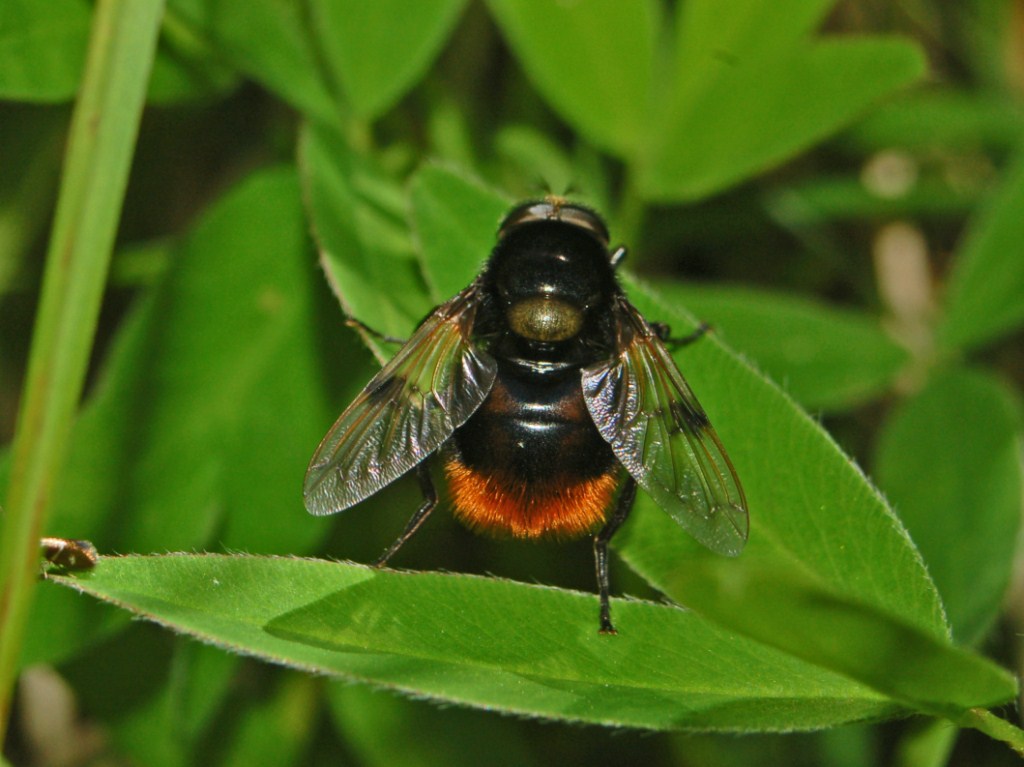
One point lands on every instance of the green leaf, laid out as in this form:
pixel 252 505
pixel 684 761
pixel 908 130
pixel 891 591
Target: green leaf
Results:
pixel 810 506
pixel 709 33
pixel 269 40
pixel 158 693
pixel 851 745
pixel 926 743
pixel 42 48
pixel 537 158
pixel 186 69
pixel 378 50
pixel 985 296
pixel 823 201
pixel 333 56
pixel 455 221
pixel 32 141
pixel 538 165
pixel 823 546
pixel 747 85
pixel 60 626
pixel 42 53
pixel 949 462
pixel 934 117
pixel 275 729
pixel 214 379
pixel 825 358
pixel 797 615
pixel 593 61
pixel 365 248
pixel 484 642
pixel 384 730
pixel 126 679
pixel 734 112
pixel 191 401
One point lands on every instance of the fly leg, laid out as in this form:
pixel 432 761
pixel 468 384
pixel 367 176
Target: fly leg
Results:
pixel 623 506
pixel 352 322
pixel 665 334
pixel 428 505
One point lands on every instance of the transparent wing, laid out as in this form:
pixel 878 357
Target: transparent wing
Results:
pixel 430 388
pixel 647 412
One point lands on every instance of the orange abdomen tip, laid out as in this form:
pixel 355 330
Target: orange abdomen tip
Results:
pixel 496 503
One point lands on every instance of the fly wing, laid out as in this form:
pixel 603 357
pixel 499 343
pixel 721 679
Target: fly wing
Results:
pixel 430 388
pixel 643 407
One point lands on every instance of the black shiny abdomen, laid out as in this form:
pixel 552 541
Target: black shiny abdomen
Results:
pixel 534 426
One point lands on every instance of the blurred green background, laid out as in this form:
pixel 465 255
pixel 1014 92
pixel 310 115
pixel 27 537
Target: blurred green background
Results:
pixel 837 187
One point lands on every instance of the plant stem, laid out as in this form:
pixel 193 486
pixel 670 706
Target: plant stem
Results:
pixel 104 127
pixel 630 213
pixel 999 729
pixel 926 743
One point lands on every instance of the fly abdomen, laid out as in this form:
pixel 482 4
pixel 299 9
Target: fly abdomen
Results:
pixel 530 462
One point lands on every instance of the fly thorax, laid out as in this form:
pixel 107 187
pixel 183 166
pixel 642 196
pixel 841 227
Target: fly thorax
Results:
pixel 545 319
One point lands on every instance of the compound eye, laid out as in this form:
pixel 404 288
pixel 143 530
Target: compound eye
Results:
pixel 545 319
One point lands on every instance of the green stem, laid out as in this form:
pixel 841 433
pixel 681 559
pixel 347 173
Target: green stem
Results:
pixel 999 729
pixel 926 743
pixel 630 214
pixel 104 127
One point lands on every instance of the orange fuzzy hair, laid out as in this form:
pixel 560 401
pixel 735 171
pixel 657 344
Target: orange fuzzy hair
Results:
pixel 495 504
